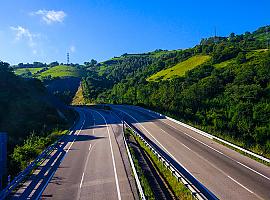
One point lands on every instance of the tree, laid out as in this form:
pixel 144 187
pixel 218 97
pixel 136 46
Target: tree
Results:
pixel 241 58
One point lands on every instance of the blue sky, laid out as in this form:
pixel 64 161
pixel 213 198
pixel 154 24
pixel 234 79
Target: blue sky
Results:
pixel 44 30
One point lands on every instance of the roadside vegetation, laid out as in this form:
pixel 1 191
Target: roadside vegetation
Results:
pixel 33 146
pixel 178 189
pixel 30 116
pixel 143 180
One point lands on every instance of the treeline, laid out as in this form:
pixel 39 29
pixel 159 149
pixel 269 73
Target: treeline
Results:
pixel 26 109
pixel 232 102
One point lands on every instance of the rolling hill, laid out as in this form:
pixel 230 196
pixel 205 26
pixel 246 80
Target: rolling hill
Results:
pixel 221 85
pixel 61 71
pixel 20 71
pixel 179 69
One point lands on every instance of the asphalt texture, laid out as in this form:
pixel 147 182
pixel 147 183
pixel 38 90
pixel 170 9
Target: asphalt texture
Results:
pixel 87 164
pixel 225 172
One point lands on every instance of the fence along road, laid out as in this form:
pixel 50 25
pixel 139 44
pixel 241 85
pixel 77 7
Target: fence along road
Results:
pixel 226 173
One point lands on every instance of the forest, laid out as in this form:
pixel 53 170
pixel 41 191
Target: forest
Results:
pixel 228 96
pixel 30 116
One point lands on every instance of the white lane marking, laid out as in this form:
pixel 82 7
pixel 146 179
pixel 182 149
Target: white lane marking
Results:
pixel 220 152
pixel 177 140
pixel 174 157
pixel 76 134
pixel 85 165
pixel 82 180
pixel 114 168
pixel 241 185
pixel 158 142
pixel 251 169
pixel 46 184
pixel 186 147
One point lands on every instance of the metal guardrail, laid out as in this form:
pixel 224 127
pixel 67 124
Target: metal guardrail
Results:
pixel 23 174
pixel 197 189
pixel 138 183
pixel 208 135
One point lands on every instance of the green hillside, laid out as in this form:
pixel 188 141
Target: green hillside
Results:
pixel 20 71
pixel 226 92
pixel 62 71
pixel 179 69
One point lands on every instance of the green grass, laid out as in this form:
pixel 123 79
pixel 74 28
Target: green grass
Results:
pixel 180 69
pixel 21 71
pixel 61 71
pixel 179 190
pixel 160 53
pixel 224 64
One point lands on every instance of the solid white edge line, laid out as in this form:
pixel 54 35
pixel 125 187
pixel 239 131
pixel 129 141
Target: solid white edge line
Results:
pixel 82 180
pixel 240 184
pixel 114 168
pixel 159 143
pixel 220 152
pixel 175 158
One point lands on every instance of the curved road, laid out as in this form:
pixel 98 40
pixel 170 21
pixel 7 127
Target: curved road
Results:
pixel 93 168
pixel 226 173
pixel 87 164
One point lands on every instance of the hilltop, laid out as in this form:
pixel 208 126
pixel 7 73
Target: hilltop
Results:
pixel 221 85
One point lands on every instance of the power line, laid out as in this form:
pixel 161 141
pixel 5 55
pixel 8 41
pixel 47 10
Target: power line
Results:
pixel 67 58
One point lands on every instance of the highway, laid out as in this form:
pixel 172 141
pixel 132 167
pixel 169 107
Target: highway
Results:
pixel 226 173
pixel 87 165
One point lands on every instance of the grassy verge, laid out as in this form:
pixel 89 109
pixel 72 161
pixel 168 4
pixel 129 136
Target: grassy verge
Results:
pixel 235 142
pixel 179 190
pixel 143 180
pixel 243 153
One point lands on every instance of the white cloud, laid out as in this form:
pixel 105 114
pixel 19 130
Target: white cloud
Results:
pixel 72 49
pixel 51 16
pixel 22 33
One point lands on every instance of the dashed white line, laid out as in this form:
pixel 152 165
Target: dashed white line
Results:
pixel 158 142
pixel 114 168
pixel 220 152
pixel 76 134
pixel 184 145
pixel 179 142
pixel 82 180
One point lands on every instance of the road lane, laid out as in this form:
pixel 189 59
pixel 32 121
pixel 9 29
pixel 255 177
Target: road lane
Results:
pixel 88 170
pixel 214 165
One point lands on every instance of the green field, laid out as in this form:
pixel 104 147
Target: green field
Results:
pixel 180 68
pixel 61 71
pixel 225 63
pixel 160 53
pixel 21 71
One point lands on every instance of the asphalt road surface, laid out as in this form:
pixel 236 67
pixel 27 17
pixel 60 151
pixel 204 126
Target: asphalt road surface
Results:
pixel 87 164
pixel 93 167
pixel 226 173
